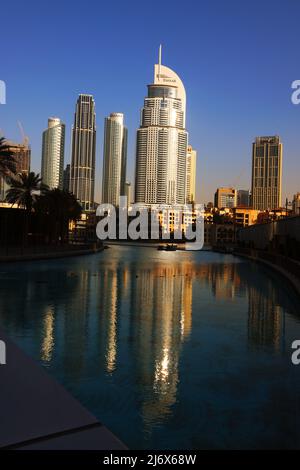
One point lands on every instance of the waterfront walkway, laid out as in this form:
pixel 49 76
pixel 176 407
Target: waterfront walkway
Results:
pixel 37 413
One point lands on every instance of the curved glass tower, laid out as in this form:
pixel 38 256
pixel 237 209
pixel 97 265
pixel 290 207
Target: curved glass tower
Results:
pixel 162 142
pixel 53 154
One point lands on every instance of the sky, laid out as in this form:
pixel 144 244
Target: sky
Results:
pixel 236 59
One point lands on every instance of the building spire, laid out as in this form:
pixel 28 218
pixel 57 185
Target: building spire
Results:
pixel 159 59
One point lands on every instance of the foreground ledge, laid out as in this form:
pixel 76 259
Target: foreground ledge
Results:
pixel 37 413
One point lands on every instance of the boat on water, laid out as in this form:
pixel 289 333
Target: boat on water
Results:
pixel 168 247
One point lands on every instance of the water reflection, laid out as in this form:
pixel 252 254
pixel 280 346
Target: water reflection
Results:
pixel 134 318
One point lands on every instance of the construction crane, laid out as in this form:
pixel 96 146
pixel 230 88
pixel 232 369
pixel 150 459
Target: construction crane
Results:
pixel 24 137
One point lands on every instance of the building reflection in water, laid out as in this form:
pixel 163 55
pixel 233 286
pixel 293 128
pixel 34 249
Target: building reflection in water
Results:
pixel 153 305
pixel 265 318
pixel 48 337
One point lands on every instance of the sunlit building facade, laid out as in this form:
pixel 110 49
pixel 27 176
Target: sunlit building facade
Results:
pixel 266 173
pixel 162 141
pixel 114 159
pixel 82 177
pixel 191 157
pixel 53 153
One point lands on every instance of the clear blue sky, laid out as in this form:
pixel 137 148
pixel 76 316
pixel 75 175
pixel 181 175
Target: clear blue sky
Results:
pixel 237 60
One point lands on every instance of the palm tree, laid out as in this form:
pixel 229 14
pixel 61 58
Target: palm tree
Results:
pixel 7 161
pixel 24 191
pixel 60 207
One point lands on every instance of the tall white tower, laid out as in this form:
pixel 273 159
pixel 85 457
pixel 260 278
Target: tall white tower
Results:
pixel 114 159
pixel 53 153
pixel 162 141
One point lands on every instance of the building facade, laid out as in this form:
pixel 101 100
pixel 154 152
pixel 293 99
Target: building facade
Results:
pixel 243 197
pixel 82 171
pixel 53 149
pixel 225 198
pixel 22 156
pixel 114 159
pixel 162 141
pixel 128 193
pixel 66 184
pixel 266 173
pixel 191 158
pixel 296 204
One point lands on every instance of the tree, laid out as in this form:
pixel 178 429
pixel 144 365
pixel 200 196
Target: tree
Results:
pixel 59 207
pixel 7 161
pixel 24 191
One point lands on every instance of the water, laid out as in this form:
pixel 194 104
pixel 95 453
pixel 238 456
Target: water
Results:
pixel 170 350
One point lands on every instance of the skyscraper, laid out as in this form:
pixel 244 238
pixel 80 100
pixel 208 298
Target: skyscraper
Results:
pixel 266 173
pixel 114 158
pixel 162 141
pixel 53 153
pixel 82 178
pixel 191 175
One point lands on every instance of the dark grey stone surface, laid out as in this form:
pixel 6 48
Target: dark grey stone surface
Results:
pixel 34 406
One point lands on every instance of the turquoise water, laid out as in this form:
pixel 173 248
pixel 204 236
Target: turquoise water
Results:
pixel 170 350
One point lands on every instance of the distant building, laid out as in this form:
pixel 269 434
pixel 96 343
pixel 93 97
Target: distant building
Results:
pixel 191 157
pixel 266 173
pixel 225 198
pixel 82 171
pixel 296 204
pixel 22 155
pixel 66 184
pixel 53 153
pixel 114 159
pixel 243 197
pixel 128 193
pixel 244 216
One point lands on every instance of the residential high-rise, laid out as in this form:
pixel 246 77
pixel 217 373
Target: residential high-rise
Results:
pixel 53 149
pixel 82 178
pixel 114 159
pixel 225 198
pixel 162 141
pixel 66 183
pixel 191 175
pixel 266 173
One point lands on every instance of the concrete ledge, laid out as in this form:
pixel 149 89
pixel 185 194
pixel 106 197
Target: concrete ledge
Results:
pixel 38 413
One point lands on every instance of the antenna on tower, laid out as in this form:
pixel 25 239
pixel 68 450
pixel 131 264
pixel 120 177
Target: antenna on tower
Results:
pixel 159 59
